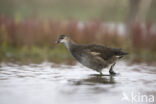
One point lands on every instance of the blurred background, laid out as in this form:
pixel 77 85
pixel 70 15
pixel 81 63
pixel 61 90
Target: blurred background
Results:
pixel 29 28
pixel 36 70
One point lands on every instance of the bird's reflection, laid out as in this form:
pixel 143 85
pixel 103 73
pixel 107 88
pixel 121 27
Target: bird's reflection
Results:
pixel 96 79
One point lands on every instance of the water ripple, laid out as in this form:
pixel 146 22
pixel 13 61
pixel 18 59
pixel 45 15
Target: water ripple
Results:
pixel 62 84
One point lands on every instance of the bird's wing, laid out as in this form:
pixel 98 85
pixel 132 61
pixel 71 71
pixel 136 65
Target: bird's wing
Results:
pixel 102 51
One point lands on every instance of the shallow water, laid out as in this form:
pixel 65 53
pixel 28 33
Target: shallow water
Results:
pixel 48 83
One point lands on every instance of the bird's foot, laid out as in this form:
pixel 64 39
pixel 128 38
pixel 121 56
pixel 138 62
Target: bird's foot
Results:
pixel 112 73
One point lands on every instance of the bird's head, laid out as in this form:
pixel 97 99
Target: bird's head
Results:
pixel 63 39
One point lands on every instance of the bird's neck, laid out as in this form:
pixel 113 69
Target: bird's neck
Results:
pixel 69 44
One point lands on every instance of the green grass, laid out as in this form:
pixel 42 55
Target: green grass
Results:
pixel 59 54
pixel 36 54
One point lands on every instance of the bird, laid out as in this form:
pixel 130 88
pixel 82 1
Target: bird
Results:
pixel 93 56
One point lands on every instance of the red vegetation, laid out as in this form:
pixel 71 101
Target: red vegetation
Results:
pixel 36 32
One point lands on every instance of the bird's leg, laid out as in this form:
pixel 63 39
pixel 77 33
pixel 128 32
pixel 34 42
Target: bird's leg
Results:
pixel 111 69
pixel 101 73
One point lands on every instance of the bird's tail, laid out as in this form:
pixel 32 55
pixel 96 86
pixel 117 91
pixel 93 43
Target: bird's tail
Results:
pixel 123 53
pixel 120 52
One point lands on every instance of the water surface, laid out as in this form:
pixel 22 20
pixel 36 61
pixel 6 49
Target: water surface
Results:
pixel 48 83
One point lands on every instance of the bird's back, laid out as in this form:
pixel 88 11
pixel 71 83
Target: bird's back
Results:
pixel 104 52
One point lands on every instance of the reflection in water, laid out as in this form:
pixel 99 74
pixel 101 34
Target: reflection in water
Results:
pixel 46 84
pixel 95 79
